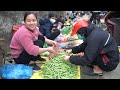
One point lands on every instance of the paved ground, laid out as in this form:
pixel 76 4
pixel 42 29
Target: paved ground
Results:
pixel 106 75
pixel 115 74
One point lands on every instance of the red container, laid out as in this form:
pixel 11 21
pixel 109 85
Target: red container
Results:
pixel 15 27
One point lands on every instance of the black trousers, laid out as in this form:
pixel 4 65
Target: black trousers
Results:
pixel 54 34
pixel 25 58
pixel 106 67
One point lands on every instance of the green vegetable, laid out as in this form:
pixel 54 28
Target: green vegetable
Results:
pixel 66 30
pixel 57 68
pixel 45 45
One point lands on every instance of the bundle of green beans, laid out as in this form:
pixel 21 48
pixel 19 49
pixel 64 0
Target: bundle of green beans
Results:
pixel 57 68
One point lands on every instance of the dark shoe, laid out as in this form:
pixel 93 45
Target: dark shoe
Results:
pixel 91 73
pixel 41 59
pixel 35 67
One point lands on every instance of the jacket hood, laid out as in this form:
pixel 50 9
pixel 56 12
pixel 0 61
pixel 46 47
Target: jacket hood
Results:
pixel 89 29
pixel 43 21
pixel 86 30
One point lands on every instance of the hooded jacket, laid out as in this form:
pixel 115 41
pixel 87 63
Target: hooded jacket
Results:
pixel 92 46
pixel 45 27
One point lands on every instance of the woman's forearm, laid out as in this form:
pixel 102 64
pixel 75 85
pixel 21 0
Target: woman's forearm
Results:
pixel 48 41
pixel 41 50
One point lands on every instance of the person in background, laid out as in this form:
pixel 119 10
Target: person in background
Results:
pixel 98 51
pixel 27 42
pixel 67 16
pixel 95 16
pixel 61 21
pixel 48 27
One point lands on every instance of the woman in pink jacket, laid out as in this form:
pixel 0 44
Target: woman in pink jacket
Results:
pixel 27 43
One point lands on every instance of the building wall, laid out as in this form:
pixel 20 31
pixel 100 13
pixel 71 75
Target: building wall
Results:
pixel 59 13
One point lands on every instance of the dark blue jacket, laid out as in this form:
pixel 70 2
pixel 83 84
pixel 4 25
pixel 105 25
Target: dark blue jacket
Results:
pixel 45 27
pixel 92 46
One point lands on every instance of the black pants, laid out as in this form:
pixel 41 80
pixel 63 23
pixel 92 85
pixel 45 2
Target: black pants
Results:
pixel 106 67
pixel 25 58
pixel 54 34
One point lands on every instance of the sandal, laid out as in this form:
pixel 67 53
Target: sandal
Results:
pixel 91 73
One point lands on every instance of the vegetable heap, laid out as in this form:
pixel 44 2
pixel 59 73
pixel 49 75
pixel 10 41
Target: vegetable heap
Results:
pixel 57 68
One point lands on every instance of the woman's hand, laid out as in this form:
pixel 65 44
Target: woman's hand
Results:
pixel 51 55
pixel 51 42
pixel 51 50
pixel 66 58
pixel 69 51
pixel 59 25
pixel 54 43
pixel 53 29
pixel 81 54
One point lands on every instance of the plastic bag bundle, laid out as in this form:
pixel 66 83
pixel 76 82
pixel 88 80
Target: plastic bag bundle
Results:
pixel 63 45
pixel 57 39
pixel 65 30
pixel 45 45
pixel 16 71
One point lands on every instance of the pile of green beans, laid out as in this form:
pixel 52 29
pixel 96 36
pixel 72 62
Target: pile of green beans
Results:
pixel 57 68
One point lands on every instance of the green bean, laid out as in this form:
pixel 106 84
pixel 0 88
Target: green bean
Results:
pixel 57 68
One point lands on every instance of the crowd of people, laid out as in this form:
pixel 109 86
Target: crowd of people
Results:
pixel 99 51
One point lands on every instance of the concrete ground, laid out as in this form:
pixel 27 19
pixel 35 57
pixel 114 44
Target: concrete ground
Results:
pixel 115 74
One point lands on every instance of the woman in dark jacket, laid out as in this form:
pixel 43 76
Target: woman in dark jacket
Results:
pixel 47 27
pixel 100 50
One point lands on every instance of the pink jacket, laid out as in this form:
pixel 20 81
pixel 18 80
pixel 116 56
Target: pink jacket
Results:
pixel 23 40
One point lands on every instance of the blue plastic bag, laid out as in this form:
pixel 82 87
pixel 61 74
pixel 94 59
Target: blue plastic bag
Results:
pixel 57 39
pixel 63 45
pixel 16 71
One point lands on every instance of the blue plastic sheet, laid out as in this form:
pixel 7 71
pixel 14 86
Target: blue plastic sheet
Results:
pixel 16 71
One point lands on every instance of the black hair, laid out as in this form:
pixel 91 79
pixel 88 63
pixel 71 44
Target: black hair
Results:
pixel 61 16
pixel 51 15
pixel 28 13
pixel 82 31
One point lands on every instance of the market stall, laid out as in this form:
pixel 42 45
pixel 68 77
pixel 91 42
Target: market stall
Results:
pixel 56 67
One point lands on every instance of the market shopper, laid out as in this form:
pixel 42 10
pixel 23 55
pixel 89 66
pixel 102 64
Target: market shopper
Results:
pixel 48 27
pixel 98 51
pixel 95 16
pixel 60 20
pixel 27 43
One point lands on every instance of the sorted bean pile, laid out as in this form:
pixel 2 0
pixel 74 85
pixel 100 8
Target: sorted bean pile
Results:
pixel 57 68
